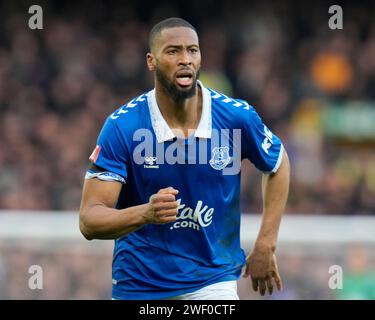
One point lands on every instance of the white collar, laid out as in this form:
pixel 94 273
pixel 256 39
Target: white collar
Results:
pixel 163 131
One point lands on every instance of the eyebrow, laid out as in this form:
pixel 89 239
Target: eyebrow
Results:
pixel 175 46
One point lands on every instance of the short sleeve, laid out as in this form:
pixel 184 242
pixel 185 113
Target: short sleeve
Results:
pixel 263 148
pixel 110 155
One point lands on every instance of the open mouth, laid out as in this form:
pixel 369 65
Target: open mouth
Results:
pixel 184 78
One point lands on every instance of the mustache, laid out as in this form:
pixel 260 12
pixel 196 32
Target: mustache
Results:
pixel 185 71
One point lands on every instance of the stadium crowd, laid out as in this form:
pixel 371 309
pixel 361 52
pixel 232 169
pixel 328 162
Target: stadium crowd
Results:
pixel 58 84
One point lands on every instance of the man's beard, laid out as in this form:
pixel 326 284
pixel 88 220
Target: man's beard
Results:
pixel 175 93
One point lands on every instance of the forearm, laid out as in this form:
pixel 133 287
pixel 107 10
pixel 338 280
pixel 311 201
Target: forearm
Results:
pixel 275 188
pixel 101 222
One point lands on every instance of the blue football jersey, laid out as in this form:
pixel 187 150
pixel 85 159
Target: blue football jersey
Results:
pixel 137 148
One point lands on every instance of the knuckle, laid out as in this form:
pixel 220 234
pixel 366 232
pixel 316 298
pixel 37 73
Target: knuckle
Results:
pixel 157 215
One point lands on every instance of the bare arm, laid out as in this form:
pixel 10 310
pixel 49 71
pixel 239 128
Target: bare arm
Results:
pixel 261 263
pixel 98 219
pixel 275 189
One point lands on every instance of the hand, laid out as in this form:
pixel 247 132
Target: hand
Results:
pixel 262 267
pixel 162 206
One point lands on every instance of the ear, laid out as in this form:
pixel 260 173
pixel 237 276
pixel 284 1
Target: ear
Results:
pixel 150 61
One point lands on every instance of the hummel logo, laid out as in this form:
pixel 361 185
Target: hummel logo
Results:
pixel 150 160
pixel 150 163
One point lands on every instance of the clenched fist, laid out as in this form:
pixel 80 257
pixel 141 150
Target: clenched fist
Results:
pixel 162 206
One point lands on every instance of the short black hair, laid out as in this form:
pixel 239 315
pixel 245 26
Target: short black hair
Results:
pixel 166 24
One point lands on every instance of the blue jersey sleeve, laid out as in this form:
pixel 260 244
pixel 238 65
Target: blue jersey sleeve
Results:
pixel 110 154
pixel 263 148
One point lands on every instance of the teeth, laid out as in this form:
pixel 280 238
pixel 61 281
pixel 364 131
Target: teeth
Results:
pixel 184 80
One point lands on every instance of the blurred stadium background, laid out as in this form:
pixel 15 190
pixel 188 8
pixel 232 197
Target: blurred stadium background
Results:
pixel 315 88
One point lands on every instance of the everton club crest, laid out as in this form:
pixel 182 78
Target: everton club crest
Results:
pixel 220 158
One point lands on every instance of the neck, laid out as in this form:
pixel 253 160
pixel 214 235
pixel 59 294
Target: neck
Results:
pixel 182 115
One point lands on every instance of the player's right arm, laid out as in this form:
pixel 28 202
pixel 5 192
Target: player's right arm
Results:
pixel 98 219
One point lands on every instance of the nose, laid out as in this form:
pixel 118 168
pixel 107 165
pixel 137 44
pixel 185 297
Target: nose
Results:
pixel 185 58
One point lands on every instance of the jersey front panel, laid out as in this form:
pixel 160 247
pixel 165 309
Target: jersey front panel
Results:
pixel 203 246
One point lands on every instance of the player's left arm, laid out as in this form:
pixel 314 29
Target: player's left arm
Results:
pixel 261 264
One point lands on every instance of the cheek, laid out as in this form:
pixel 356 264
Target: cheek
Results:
pixel 166 68
pixel 197 61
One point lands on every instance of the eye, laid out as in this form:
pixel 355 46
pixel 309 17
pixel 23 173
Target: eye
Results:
pixel 172 51
pixel 193 50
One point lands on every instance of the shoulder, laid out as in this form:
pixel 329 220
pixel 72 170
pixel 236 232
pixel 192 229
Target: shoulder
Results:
pixel 229 107
pixel 128 116
pixel 222 100
pixel 130 108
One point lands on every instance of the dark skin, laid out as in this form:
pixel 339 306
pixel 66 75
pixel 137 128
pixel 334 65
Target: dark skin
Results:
pixel 177 49
pixel 176 54
pixel 261 264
